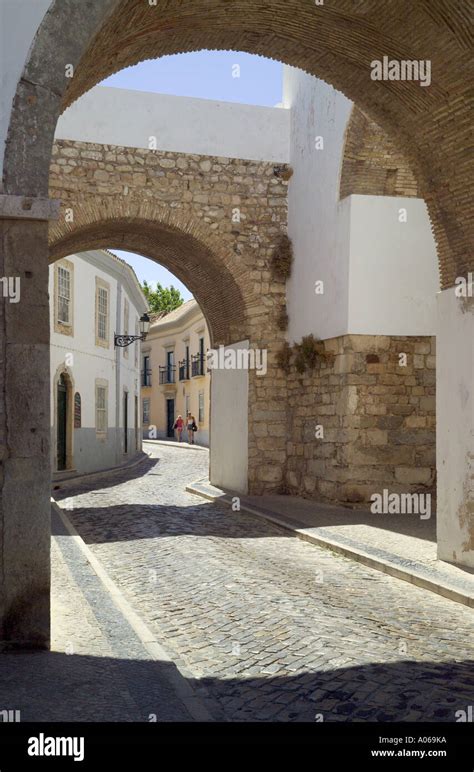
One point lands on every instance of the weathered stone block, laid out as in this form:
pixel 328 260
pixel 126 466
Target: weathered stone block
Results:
pixel 414 475
pixel 368 344
pixel 309 484
pixel 272 474
pixel 374 436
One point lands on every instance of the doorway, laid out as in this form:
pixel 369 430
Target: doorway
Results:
pixel 62 412
pixel 170 417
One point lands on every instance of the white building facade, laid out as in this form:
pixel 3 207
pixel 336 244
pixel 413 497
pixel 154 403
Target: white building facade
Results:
pixel 95 386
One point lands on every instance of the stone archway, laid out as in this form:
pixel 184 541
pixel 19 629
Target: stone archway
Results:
pixel 336 42
pixel 179 248
pixel 180 210
pixel 239 311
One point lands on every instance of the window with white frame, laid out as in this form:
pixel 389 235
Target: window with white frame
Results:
pixel 63 307
pixel 102 313
pixel 64 295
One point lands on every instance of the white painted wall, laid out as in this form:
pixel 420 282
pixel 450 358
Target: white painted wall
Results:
pixel 455 427
pixel 91 362
pixel 393 267
pixel 320 238
pixel 380 276
pixel 181 124
pixel 18 24
pixel 228 459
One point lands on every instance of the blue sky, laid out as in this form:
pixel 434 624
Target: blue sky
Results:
pixel 152 272
pixel 207 75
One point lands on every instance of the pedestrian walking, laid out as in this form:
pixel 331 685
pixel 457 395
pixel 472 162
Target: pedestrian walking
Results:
pixel 179 426
pixel 191 427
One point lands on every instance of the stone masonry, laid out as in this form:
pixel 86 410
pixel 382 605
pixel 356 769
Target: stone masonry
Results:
pixel 212 221
pixel 377 416
pixel 182 209
pixel 372 164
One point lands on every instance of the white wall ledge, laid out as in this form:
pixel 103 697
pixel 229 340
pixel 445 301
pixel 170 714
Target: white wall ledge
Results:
pixel 115 116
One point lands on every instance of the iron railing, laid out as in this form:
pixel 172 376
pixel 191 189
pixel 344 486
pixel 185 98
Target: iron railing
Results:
pixel 167 374
pixel 197 365
pixel 146 377
pixel 184 370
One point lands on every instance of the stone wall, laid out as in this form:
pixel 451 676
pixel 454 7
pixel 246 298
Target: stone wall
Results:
pixel 372 164
pixel 377 418
pixel 214 222
pixel 268 411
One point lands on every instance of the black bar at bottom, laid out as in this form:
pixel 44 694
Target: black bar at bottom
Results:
pixel 101 746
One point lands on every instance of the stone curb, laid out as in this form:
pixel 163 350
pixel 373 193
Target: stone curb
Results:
pixel 177 444
pixel 101 473
pixel 179 678
pixel 408 571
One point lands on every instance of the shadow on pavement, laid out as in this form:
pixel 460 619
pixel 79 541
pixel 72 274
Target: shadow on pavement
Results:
pixel 59 687
pixel 129 522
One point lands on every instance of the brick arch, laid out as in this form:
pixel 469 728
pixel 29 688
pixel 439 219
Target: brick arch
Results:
pixel 175 241
pixel 336 42
pixel 372 164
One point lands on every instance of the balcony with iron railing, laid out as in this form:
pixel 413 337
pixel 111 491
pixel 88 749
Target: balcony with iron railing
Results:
pixel 167 374
pixel 146 377
pixel 184 370
pixel 197 365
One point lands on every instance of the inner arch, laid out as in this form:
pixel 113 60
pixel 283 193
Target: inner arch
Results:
pixel 207 278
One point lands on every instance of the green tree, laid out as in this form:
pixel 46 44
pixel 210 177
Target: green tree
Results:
pixel 162 298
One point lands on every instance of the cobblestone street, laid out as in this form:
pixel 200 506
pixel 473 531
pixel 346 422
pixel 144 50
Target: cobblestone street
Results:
pixel 264 625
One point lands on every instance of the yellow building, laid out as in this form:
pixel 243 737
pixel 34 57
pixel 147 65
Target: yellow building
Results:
pixel 174 375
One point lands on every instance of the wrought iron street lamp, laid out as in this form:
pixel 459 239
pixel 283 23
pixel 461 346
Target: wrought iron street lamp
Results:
pixel 126 340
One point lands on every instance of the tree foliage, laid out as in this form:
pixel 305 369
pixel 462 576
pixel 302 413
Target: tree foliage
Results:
pixel 162 298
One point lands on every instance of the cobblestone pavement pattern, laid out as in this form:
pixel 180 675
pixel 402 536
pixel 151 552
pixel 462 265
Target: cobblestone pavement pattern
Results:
pixel 97 668
pixel 270 627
